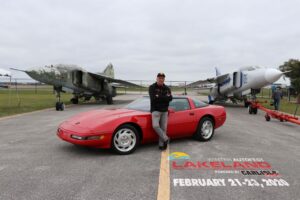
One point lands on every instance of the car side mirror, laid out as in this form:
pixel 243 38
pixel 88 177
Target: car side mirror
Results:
pixel 171 110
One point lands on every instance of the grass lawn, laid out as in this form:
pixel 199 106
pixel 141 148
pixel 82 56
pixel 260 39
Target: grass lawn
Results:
pixel 26 100
pixel 285 106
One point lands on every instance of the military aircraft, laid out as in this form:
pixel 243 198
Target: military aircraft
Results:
pixel 238 84
pixel 5 73
pixel 81 83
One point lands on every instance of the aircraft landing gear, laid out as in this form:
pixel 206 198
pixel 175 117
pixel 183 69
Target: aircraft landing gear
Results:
pixel 87 98
pixel 210 100
pixel 74 100
pixel 246 103
pixel 109 99
pixel 233 101
pixel 60 106
pixel 252 109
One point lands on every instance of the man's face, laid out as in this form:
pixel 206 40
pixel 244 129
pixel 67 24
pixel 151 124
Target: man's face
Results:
pixel 160 80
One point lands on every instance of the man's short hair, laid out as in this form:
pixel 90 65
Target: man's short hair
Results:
pixel 160 74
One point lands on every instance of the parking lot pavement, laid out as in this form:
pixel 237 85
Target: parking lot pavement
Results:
pixel 242 136
pixel 35 164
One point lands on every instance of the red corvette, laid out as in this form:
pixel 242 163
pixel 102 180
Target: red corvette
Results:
pixel 125 128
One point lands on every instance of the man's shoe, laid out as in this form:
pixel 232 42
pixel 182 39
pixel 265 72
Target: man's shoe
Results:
pixel 166 143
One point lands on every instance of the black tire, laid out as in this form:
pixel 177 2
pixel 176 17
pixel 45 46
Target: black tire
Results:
pixel 199 135
pixel 268 118
pixel 250 110
pixel 59 106
pixel 109 100
pixel 62 106
pixel 254 111
pixel 125 128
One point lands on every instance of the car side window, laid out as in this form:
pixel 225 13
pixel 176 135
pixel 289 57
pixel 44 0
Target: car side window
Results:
pixel 198 103
pixel 180 104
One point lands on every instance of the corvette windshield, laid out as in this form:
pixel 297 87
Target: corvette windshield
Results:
pixel 141 104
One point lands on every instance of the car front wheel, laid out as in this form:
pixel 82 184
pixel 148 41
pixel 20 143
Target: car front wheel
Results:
pixel 205 130
pixel 125 139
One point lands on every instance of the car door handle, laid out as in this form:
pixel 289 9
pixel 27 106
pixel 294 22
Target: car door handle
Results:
pixel 191 113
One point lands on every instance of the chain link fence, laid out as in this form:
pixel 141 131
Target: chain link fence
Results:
pixel 23 84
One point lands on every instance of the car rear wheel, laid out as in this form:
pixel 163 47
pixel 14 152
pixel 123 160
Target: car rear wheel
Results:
pixel 205 130
pixel 125 139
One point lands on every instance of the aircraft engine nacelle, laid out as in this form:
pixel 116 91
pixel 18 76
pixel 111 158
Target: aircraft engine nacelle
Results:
pixel 232 82
pixel 85 81
pixel 77 78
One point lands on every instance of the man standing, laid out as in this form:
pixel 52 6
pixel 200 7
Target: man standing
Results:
pixel 277 95
pixel 160 96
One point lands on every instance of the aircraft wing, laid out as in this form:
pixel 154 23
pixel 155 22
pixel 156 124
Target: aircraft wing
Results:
pixel 200 82
pixel 113 80
pixel 218 79
pixel 118 85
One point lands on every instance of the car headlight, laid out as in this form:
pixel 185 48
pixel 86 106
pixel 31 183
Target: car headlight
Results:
pixel 77 137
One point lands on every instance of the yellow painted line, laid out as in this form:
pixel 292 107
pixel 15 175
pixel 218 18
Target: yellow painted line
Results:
pixel 164 177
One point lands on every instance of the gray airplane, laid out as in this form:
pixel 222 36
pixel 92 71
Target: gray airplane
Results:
pixel 238 84
pixel 81 83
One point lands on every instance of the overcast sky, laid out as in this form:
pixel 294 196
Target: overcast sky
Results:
pixel 185 39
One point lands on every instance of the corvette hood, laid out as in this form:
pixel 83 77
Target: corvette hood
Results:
pixel 95 118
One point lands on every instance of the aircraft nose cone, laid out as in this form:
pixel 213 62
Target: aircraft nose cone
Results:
pixel 35 73
pixel 34 69
pixel 272 75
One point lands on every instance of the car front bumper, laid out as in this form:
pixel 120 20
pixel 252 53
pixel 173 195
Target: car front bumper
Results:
pixel 91 140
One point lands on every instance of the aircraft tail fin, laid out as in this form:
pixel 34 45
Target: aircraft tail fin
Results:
pixel 109 71
pixel 218 72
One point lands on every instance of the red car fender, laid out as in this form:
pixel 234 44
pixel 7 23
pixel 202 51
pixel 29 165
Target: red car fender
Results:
pixel 139 122
pixel 217 113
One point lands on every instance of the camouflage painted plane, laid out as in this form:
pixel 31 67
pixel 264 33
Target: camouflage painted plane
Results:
pixel 81 83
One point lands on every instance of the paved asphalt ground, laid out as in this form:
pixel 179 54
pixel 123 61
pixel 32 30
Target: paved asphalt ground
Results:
pixel 35 164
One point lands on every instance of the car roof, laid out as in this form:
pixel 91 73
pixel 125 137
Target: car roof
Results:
pixel 175 97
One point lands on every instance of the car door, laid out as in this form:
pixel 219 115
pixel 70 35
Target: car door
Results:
pixel 181 122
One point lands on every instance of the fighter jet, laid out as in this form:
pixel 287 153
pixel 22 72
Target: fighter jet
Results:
pixel 81 83
pixel 4 73
pixel 239 84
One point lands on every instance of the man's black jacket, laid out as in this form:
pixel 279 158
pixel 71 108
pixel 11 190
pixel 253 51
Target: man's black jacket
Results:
pixel 160 96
